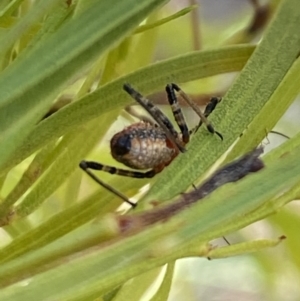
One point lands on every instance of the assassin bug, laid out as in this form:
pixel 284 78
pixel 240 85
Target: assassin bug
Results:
pixel 151 144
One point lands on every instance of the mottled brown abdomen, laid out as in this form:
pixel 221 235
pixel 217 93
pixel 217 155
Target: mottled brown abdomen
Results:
pixel 142 146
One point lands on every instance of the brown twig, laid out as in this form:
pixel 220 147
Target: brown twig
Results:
pixel 232 172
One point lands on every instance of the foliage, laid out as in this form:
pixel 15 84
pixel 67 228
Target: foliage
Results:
pixel 64 243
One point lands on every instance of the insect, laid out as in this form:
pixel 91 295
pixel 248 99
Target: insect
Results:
pixel 151 145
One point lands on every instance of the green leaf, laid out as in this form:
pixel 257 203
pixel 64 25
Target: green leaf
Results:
pixel 29 177
pixel 64 222
pixel 250 92
pixel 70 258
pixel 100 269
pixel 24 24
pixel 8 9
pixel 27 86
pixel 164 290
pixel 180 13
pixel 152 78
pixel 244 248
pixel 135 288
pixel 268 116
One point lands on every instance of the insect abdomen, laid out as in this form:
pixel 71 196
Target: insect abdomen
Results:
pixel 142 146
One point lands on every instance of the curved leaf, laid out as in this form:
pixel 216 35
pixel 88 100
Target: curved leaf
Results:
pixel 250 92
pixel 181 69
pixel 28 85
pixel 100 269
pixel 164 290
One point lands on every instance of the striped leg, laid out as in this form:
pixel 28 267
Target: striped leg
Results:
pixel 198 111
pixel 179 118
pixel 157 115
pixel 87 165
pixel 209 108
pixel 117 171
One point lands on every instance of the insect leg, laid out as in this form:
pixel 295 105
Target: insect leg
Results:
pixel 197 110
pixel 157 115
pixel 86 166
pixel 209 108
pixel 179 118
